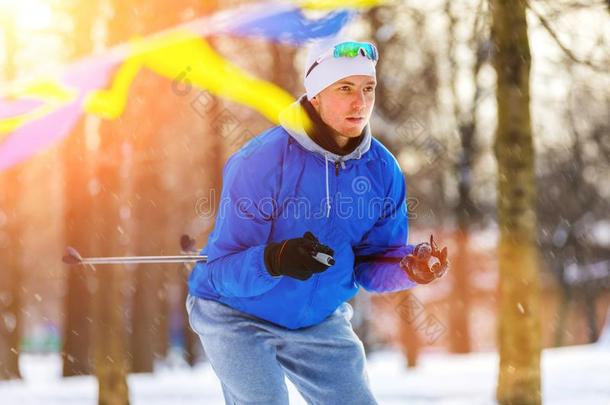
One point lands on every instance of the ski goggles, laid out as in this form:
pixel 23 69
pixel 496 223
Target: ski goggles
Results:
pixel 349 49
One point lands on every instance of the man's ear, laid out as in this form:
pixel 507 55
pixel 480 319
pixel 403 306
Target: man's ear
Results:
pixel 315 102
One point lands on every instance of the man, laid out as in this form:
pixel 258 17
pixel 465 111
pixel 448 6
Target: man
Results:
pixel 311 210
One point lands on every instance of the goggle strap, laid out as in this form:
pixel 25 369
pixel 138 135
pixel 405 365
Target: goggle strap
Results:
pixel 316 63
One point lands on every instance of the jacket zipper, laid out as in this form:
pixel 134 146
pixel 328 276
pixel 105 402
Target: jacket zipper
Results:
pixel 317 276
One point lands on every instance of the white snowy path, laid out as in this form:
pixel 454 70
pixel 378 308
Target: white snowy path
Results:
pixel 572 375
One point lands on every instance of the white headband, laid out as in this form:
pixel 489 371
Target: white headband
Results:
pixel 330 69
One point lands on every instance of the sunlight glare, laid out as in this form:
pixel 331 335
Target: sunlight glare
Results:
pixel 28 15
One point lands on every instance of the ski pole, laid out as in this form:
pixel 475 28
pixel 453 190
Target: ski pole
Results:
pixel 72 257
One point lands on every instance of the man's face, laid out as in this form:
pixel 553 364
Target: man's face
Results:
pixel 347 104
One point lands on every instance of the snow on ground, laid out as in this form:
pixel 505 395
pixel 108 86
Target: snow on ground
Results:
pixel 571 375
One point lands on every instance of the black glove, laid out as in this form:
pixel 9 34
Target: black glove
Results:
pixel 294 257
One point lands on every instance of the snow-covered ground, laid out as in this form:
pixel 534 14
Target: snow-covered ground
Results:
pixel 571 375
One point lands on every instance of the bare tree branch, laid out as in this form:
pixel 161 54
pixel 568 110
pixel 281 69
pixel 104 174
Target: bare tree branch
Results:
pixel 547 26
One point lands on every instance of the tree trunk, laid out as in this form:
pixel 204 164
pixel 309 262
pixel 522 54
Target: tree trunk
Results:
pixel 410 341
pixel 459 311
pixel 109 328
pixel 78 230
pixel 150 217
pixel 11 245
pixel 109 315
pixel 465 118
pixel 519 285
pixel 77 347
pixel 11 249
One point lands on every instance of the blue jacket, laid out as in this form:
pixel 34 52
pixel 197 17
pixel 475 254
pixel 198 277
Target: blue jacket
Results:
pixel 282 184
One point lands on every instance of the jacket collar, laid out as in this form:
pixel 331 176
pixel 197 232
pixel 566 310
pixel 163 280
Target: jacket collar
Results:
pixel 293 121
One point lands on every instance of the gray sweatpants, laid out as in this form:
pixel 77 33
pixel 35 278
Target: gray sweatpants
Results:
pixel 251 356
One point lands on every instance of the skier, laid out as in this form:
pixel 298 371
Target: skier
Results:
pixel 309 213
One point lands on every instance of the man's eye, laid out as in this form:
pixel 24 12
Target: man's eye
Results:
pixel 370 88
pixel 344 88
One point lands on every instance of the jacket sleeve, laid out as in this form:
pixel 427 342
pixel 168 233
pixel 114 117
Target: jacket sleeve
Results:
pixel 235 248
pixel 378 254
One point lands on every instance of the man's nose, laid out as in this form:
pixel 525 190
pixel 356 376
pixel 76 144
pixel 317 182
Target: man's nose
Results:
pixel 359 100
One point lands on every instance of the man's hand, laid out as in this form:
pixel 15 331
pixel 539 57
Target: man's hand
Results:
pixel 426 263
pixel 294 257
